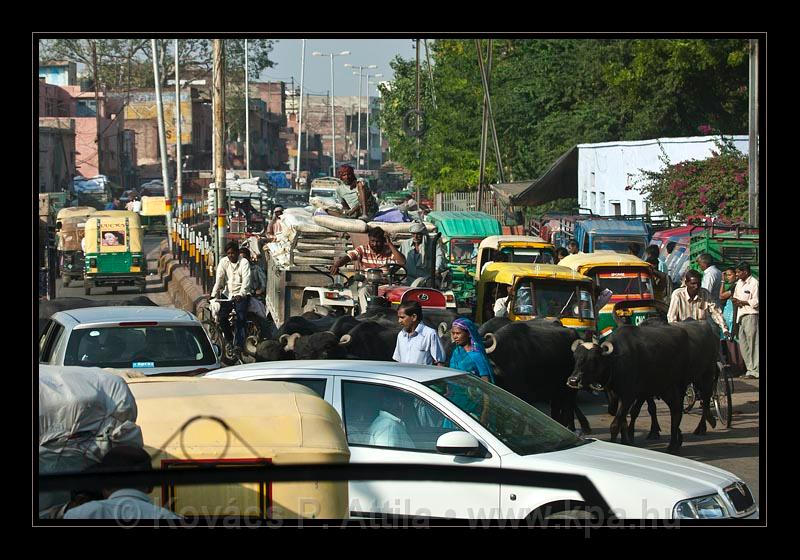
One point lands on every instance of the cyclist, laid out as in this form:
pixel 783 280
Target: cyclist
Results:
pixel 233 280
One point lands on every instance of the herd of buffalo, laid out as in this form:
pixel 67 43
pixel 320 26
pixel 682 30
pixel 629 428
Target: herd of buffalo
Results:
pixel 535 360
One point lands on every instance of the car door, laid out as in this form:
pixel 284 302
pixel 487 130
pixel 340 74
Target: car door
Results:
pixel 387 422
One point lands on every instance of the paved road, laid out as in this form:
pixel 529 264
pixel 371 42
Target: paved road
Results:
pixel 154 289
pixel 735 449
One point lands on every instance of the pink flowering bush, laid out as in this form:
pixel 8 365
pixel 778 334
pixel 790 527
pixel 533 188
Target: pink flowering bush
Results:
pixel 716 186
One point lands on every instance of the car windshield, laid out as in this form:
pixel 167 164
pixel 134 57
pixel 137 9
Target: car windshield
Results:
pixel 292 200
pixel 627 285
pixel 139 347
pixel 464 251
pixel 619 244
pixel 528 255
pixel 521 427
pixel 545 298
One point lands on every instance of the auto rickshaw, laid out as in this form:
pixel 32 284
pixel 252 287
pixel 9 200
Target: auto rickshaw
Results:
pixel 194 422
pixel 154 214
pixel 514 249
pixel 114 257
pixel 69 232
pixel 629 278
pixel 539 290
pixel 462 233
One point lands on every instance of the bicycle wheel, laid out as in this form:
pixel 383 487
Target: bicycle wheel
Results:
pixel 723 403
pixel 689 398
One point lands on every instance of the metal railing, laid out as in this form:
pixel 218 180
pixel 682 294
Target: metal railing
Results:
pixel 192 248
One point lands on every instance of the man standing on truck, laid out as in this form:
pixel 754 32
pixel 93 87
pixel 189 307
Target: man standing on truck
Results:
pixel 379 253
pixel 234 273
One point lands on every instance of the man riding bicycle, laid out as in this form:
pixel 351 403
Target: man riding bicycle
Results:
pixel 234 273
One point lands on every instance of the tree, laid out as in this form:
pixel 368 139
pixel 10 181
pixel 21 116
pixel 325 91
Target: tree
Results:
pixel 694 189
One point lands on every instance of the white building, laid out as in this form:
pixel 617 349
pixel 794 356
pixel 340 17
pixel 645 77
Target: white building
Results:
pixel 606 169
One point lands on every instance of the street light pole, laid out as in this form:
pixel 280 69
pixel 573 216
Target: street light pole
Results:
pixel 369 132
pixel 333 113
pixel 360 76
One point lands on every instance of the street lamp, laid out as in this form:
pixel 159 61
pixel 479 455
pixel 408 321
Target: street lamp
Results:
pixel 333 114
pixel 358 142
pixel 369 132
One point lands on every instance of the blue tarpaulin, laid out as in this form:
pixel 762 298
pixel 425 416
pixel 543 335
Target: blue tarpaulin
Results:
pixel 94 185
pixel 277 179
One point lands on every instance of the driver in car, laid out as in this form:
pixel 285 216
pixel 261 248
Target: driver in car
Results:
pixel 379 253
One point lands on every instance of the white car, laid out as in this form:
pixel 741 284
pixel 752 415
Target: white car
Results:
pixel 153 340
pixel 401 413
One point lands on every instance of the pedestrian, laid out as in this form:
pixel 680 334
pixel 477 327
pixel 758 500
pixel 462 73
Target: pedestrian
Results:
pixel 129 504
pixel 561 252
pixel 725 295
pixel 469 353
pixel 671 261
pixel 414 251
pixel 694 302
pixel 745 299
pixel 653 252
pixel 233 279
pixel 572 247
pixel 417 343
pixel 712 277
pixel 379 253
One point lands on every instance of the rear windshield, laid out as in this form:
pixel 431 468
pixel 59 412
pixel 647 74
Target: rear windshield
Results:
pixel 139 347
pixel 627 285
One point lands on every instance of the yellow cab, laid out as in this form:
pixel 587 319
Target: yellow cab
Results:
pixel 190 422
pixel 514 249
pixel 537 290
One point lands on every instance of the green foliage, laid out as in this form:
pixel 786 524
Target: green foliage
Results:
pixel 550 94
pixel 692 189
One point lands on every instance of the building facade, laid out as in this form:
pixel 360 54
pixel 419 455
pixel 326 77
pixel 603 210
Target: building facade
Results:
pixel 608 171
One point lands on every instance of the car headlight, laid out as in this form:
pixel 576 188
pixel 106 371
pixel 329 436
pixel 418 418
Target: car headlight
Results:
pixel 707 507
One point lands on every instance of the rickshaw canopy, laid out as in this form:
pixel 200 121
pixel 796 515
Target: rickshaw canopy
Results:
pixel 464 224
pixel 585 262
pixel 74 211
pixel 507 273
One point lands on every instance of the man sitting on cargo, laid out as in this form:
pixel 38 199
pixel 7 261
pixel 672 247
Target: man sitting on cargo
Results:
pixel 354 196
pixel 379 253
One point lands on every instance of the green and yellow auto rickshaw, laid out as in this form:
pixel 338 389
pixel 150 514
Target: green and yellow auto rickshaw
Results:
pixel 114 256
pixel 537 290
pixel 630 280
pixel 461 234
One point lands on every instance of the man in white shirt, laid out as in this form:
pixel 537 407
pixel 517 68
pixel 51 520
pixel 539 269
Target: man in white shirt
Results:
pixel 416 343
pixel 693 302
pixel 388 429
pixel 745 299
pixel 124 504
pixel 712 277
pixel 234 274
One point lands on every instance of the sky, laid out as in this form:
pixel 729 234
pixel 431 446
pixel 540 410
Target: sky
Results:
pixel 317 80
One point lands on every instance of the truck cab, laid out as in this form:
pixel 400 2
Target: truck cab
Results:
pixel 611 235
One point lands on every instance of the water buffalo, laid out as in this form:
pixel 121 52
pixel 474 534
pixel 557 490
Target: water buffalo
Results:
pixel 533 360
pixel 48 307
pixel 298 324
pixel 635 363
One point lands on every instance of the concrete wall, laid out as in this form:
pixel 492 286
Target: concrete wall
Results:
pixel 606 169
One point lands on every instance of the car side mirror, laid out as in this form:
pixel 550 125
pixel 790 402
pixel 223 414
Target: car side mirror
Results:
pixel 460 443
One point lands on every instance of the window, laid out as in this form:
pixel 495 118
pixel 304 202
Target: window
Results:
pixel 602 207
pixel 542 298
pixel 382 416
pixel 584 195
pixel 317 385
pixel 122 347
pixel 593 200
pixel 632 207
pixel 47 342
pixel 85 108
pixel 616 208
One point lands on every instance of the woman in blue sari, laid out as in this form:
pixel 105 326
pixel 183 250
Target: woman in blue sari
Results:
pixel 469 353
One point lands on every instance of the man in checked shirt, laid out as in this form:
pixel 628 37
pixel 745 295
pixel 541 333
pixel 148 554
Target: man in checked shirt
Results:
pixel 379 253
pixel 693 302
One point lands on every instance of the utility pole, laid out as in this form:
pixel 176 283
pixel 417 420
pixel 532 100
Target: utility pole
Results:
pixel 485 80
pixel 218 107
pixel 416 183
pixel 484 132
pixel 752 183
pixel 247 108
pixel 178 150
pixel 162 141
pixel 300 115
pixel 97 106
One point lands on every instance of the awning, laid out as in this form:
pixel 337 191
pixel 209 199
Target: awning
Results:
pixel 560 181
pixel 507 192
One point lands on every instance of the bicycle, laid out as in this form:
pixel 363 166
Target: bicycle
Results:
pixel 231 355
pixel 721 397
